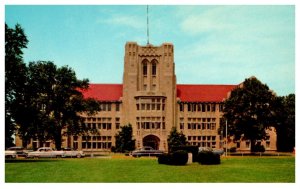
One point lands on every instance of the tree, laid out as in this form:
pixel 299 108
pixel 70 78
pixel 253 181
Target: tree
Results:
pixel 248 111
pixel 52 104
pixel 285 122
pixel 124 141
pixel 176 139
pixel 15 73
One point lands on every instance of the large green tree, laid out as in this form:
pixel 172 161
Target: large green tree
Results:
pixel 15 75
pixel 248 111
pixel 124 141
pixel 176 139
pixel 55 101
pixel 284 108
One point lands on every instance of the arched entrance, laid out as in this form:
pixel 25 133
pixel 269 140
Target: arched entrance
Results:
pixel 151 140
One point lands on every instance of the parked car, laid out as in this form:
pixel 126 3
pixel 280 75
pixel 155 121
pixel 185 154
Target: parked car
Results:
pixel 146 151
pixel 45 152
pixel 215 151
pixel 10 154
pixel 21 152
pixel 69 152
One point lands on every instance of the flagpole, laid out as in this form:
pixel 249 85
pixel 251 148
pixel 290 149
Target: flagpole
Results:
pixel 226 138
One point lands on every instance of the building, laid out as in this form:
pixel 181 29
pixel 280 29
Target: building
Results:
pixel 152 102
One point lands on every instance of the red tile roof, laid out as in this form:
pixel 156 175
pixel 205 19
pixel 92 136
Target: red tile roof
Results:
pixel 104 92
pixel 203 93
pixel 186 93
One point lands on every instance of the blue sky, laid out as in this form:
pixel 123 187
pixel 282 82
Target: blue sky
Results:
pixel 213 44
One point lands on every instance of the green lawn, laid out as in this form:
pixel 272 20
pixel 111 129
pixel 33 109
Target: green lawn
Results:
pixel 140 170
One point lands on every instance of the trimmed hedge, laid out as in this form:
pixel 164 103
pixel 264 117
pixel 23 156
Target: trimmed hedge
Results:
pixel 164 159
pixel 190 149
pixel 208 158
pixel 179 157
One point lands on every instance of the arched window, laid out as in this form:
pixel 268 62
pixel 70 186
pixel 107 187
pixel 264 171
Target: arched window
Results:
pixel 144 64
pixel 154 67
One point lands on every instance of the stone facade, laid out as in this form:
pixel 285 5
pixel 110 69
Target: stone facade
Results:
pixel 152 102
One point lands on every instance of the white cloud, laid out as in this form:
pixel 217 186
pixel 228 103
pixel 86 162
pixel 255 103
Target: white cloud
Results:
pixel 124 20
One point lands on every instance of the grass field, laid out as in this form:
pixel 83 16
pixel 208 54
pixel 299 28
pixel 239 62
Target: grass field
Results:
pixel 141 170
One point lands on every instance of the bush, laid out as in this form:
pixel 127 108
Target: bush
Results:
pixel 179 157
pixel 190 149
pixel 208 158
pixel 164 159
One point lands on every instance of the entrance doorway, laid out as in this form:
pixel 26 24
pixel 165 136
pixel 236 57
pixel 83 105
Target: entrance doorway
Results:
pixel 152 141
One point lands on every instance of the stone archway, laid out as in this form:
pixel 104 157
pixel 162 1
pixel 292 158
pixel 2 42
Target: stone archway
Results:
pixel 152 141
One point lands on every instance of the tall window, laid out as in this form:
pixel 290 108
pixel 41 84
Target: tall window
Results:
pixel 153 69
pixel 145 68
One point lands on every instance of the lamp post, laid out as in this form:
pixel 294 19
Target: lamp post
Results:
pixel 226 137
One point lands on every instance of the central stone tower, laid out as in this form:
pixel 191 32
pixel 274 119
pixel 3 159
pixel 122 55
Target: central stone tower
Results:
pixel 149 93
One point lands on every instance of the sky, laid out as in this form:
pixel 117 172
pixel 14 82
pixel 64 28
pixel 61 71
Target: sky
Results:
pixel 212 44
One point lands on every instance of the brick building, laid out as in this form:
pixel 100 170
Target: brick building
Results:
pixel 152 102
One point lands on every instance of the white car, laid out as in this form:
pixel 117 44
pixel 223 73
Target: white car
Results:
pixel 45 152
pixel 208 149
pixel 69 152
pixel 10 154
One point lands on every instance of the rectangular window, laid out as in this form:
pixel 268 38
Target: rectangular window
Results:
pixel 203 107
pixel 181 125
pixel 117 107
pixel 268 144
pixel 213 107
pixel 181 107
pixel 208 107
pixel 158 107
pixel 199 107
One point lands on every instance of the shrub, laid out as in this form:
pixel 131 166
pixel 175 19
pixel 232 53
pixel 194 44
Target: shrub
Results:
pixel 179 157
pixel 208 158
pixel 164 159
pixel 190 149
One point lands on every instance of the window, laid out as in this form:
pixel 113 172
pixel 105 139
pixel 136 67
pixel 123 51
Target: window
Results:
pixel 208 107
pixel 181 125
pixel 144 68
pixel 181 107
pixel 203 107
pixel 117 107
pixel 154 69
pixel 213 107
